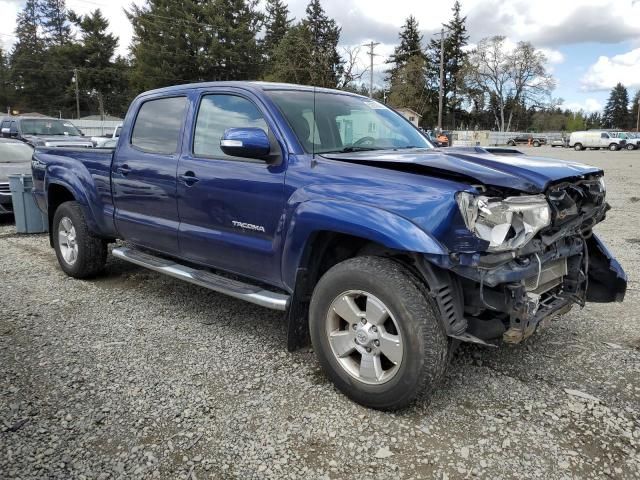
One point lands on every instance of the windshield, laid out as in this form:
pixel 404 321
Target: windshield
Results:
pixel 345 123
pixel 48 127
pixel 17 152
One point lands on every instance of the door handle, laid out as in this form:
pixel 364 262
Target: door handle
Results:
pixel 189 178
pixel 123 169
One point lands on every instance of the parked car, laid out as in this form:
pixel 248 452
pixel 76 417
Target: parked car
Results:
pixel 335 209
pixel 527 139
pixel 595 139
pixel 632 139
pixel 559 142
pixel 107 139
pixel 44 131
pixel 15 158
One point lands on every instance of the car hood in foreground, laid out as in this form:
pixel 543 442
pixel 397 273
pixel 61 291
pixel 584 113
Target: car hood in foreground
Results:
pixel 9 168
pixel 496 167
pixel 58 140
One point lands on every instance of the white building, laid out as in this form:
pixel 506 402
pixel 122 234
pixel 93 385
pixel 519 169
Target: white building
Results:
pixel 411 115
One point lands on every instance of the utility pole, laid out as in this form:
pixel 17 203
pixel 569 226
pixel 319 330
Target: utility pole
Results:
pixel 371 46
pixel 638 120
pixel 441 92
pixel 75 80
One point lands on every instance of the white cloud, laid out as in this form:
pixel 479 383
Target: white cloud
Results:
pixel 554 57
pixel 588 105
pixel 608 71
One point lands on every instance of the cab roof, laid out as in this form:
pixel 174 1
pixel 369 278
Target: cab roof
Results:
pixel 249 85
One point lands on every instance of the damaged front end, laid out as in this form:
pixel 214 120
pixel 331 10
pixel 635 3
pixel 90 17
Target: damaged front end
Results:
pixel 541 258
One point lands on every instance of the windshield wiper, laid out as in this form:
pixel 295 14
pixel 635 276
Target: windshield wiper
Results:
pixel 350 149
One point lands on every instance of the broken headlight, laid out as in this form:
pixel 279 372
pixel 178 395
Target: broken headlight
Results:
pixel 507 223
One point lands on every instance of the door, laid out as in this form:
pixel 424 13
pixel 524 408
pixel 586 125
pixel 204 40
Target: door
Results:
pixel 605 140
pixel 144 176
pixel 230 208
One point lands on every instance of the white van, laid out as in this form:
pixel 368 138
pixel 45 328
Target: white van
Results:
pixel 595 139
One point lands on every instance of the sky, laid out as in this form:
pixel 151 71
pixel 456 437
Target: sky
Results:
pixel 590 44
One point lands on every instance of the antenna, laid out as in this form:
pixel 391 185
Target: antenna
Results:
pixel 313 130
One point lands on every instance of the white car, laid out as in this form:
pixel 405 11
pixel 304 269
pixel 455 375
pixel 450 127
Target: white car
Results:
pixel 595 139
pixel 632 139
pixel 99 142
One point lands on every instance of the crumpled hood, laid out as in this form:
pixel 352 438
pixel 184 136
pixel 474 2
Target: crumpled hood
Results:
pixel 58 140
pixel 9 168
pixel 516 171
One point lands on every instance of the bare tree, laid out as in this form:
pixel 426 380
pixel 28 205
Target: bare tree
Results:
pixel 352 67
pixel 508 77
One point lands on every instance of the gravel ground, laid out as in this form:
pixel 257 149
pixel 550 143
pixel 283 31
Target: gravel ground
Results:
pixel 138 375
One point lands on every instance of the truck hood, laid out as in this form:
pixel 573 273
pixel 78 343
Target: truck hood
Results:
pixel 58 140
pixel 496 167
pixel 9 168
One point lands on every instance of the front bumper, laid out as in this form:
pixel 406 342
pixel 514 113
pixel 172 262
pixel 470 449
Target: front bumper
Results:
pixel 6 204
pixel 510 298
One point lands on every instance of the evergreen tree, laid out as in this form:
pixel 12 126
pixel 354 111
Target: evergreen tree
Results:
pixel 456 38
pixel 27 58
pixel 54 20
pixel 616 111
pixel 5 89
pixel 277 24
pixel 634 110
pixel 308 54
pixel 407 72
pixel 170 44
pixel 233 50
pixel 291 61
pixel 103 79
pixel 326 64
pixel 410 45
pixel 594 120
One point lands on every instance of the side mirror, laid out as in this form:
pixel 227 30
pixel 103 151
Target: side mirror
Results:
pixel 246 143
pixel 6 133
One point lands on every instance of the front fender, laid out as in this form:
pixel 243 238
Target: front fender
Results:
pixel 364 221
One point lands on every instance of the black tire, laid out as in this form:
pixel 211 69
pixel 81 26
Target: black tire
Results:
pixel 613 147
pixel 91 252
pixel 536 144
pixel 577 147
pixel 424 341
pixel 511 143
pixel 630 146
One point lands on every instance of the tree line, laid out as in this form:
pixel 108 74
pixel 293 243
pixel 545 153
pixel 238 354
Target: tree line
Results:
pixel 493 85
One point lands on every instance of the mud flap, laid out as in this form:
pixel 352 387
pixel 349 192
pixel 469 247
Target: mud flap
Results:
pixel 607 280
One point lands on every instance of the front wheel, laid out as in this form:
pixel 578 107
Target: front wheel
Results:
pixel 630 146
pixel 80 254
pixel 376 333
pixel 536 144
pixel 577 147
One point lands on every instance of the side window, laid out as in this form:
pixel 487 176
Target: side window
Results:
pixel 5 124
pixel 219 112
pixel 158 125
pixel 604 135
pixel 14 127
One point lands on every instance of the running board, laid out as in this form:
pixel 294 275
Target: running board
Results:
pixel 206 279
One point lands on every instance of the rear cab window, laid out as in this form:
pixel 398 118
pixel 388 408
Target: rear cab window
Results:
pixel 158 125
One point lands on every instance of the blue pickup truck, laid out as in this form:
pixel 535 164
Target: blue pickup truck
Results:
pixel 382 250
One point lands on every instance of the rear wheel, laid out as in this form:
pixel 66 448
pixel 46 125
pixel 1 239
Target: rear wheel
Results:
pixel 80 254
pixel 536 144
pixel 376 334
pixel 630 146
pixel 577 147
pixel 613 147
pixel 511 143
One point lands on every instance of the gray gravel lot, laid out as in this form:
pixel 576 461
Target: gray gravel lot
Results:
pixel 135 375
